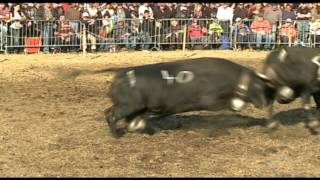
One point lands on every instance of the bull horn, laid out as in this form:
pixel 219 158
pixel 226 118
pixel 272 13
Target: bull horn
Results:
pixel 263 76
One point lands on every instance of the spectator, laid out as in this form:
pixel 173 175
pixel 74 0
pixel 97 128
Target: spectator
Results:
pixel 57 11
pixel 161 12
pixel 73 15
pixel 105 32
pixel 173 35
pixel 261 30
pixel 134 29
pixel 17 17
pixel 303 17
pixel 145 7
pixel 315 32
pixel 121 35
pixel 197 12
pixel 30 12
pixel 63 34
pixel 215 30
pixel 120 12
pixel 211 11
pixel 225 16
pixel 255 10
pixel 240 12
pixel 91 30
pixel 241 32
pixel 288 13
pixel 274 16
pixel 288 32
pixel 315 11
pixel 146 30
pixel 4 19
pixel 171 10
pixel 183 12
pixel 195 33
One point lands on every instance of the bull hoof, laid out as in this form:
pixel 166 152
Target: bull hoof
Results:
pixel 137 124
pixel 313 124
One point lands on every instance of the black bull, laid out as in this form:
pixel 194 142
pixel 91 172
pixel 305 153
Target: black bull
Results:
pixel 294 72
pixel 187 85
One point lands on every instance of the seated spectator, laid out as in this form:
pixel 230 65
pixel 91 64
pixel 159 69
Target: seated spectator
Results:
pixel 315 32
pixel 196 33
pixel 215 31
pixel 63 34
pixel 241 32
pixel 173 35
pixel 261 30
pixel 288 32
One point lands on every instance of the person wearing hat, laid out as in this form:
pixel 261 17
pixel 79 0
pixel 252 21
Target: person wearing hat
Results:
pixel 240 32
pixel 287 32
pixel 261 29
pixel 315 32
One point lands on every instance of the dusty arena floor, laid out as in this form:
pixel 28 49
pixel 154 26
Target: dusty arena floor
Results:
pixel 54 126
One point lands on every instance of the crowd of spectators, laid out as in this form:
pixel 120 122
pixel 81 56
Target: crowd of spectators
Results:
pixel 132 26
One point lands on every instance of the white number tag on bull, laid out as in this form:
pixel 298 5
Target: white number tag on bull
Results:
pixel 316 61
pixel 182 77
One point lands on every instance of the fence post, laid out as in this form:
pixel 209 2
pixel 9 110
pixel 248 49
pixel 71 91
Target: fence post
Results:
pixel 289 35
pixel 184 39
pixel 84 40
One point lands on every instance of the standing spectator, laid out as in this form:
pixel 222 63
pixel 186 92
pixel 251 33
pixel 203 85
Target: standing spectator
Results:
pixel 315 32
pixel 171 10
pixel 105 32
pixel 288 31
pixel 30 13
pixel 195 33
pixel 121 35
pixel 182 12
pixel 315 11
pixel 211 11
pixel 17 17
pixel 288 13
pixel 146 30
pixel 161 12
pixel 174 35
pixel 303 17
pixel 240 12
pixel 262 30
pixel 134 30
pixel 120 12
pixel 57 11
pixel 145 7
pixel 274 16
pixel 241 32
pixel 72 14
pixel 255 10
pixel 225 16
pixel 91 29
pixel 4 19
pixel 63 34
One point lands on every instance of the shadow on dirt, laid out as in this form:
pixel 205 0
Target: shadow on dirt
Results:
pixel 222 122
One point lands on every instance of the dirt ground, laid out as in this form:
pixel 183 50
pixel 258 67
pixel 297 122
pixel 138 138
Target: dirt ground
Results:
pixel 54 126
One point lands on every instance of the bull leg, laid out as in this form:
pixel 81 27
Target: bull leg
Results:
pixel 316 97
pixel 309 123
pixel 272 124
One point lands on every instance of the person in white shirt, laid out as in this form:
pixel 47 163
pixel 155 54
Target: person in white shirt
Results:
pixel 225 16
pixel 143 8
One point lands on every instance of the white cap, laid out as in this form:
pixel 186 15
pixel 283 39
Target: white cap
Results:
pixel 238 19
pixel 289 20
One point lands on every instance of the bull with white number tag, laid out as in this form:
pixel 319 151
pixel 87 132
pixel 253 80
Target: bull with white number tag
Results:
pixel 164 89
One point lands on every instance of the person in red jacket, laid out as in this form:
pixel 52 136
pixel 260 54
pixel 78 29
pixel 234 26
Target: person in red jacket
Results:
pixel 261 29
pixel 196 33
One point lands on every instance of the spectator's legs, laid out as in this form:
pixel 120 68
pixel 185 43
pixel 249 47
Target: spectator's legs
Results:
pixel 284 40
pixel 258 40
pixel 93 42
pixel 74 40
pixel 3 34
pixel 273 33
pixel 302 29
pixel 47 34
pixel 268 38
pixel 146 39
pixel 16 38
pixel 133 41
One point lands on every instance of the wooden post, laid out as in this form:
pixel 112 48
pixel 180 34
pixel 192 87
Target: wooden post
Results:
pixel 84 40
pixel 184 39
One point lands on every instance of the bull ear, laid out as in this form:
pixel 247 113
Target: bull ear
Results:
pixel 265 79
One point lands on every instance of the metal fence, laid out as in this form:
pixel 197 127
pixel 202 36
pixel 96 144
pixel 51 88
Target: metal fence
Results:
pixel 113 34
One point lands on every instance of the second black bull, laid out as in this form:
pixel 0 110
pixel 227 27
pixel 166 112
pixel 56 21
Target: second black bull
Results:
pixel 187 85
pixel 295 72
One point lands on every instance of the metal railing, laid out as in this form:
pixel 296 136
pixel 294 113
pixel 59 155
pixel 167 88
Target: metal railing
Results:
pixel 111 34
